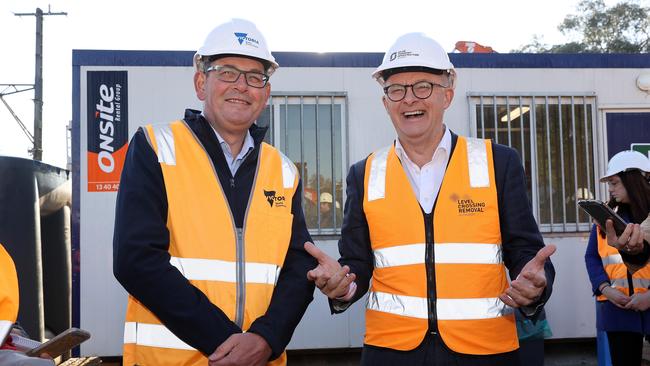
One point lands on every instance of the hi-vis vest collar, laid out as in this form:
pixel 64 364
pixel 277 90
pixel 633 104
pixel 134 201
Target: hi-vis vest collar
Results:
pixel 477 169
pixel 465 249
pixel 617 271
pixel 236 268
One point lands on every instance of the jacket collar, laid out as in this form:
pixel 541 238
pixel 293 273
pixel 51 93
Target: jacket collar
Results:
pixel 196 120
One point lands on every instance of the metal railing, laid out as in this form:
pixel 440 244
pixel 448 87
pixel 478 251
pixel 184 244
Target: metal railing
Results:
pixel 554 135
pixel 311 129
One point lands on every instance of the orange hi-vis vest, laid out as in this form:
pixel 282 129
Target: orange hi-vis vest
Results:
pixel 237 269
pixel 469 270
pixel 617 271
pixel 9 297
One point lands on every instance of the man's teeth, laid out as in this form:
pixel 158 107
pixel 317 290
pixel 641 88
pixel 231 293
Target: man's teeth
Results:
pixel 414 113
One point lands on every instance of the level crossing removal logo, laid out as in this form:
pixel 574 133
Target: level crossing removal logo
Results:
pixel 470 207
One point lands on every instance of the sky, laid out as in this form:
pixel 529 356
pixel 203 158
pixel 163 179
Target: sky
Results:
pixel 291 25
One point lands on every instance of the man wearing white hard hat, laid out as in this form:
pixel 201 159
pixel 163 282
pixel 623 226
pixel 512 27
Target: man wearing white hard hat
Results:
pixel 209 227
pixel 435 219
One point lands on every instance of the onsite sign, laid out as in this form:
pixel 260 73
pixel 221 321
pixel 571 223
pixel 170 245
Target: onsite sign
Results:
pixel 108 128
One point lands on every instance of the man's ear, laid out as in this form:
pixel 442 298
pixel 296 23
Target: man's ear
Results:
pixel 267 90
pixel 449 96
pixel 385 101
pixel 199 85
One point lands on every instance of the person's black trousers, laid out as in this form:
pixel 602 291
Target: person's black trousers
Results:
pixel 625 348
pixel 432 352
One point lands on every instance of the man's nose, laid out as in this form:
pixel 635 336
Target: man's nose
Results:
pixel 410 95
pixel 240 83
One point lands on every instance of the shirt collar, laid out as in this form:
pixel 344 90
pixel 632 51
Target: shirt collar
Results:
pixel 443 146
pixel 248 145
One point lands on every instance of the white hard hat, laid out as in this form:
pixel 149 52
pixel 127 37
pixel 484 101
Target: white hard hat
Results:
pixel 237 37
pixel 626 160
pixel 414 50
pixel 326 197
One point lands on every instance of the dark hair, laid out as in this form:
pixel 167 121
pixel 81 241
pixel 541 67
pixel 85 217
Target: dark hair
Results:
pixel 390 72
pixel 638 193
pixel 207 60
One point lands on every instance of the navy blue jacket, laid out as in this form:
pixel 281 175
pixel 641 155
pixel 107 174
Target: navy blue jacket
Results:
pixel 520 235
pixel 141 240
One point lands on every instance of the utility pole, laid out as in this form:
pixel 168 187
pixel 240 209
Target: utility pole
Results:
pixel 38 81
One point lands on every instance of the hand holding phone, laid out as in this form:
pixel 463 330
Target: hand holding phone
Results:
pixel 60 344
pixel 600 212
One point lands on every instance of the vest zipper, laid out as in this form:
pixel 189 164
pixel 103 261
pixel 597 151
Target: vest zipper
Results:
pixel 241 255
pixel 630 283
pixel 431 273
pixel 240 270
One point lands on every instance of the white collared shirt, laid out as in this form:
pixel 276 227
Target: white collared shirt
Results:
pixel 426 181
pixel 235 162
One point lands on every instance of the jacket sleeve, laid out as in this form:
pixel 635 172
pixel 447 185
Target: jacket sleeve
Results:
pixel 594 263
pixel 520 235
pixel 293 292
pixel 141 258
pixel 354 245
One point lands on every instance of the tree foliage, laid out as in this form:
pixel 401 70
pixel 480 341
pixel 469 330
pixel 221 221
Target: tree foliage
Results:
pixel 621 28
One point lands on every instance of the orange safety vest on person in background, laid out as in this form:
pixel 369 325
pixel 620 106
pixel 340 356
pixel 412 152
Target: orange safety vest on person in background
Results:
pixel 469 270
pixel 9 297
pixel 617 271
pixel 237 269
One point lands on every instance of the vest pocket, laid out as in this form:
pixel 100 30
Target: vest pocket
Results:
pixel 267 238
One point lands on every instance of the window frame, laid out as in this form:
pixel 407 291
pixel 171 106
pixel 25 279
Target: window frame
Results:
pixel 589 101
pixel 277 136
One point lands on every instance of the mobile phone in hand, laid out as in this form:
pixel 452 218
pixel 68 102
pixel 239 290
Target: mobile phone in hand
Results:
pixel 600 212
pixel 60 344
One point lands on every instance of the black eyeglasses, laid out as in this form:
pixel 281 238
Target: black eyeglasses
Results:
pixel 421 90
pixel 230 74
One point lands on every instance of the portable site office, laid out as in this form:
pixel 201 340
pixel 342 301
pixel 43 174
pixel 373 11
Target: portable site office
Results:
pixel 565 114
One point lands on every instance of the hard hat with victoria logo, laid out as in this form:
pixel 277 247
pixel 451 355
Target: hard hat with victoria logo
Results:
pixel 237 37
pixel 625 161
pixel 414 50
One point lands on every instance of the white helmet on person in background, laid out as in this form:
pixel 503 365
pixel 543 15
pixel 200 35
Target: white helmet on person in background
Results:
pixel 414 52
pixel 625 161
pixel 325 197
pixel 238 37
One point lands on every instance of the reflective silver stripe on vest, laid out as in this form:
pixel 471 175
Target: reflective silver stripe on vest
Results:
pixel 165 141
pixel 400 255
pixel 467 309
pixel 377 179
pixel 153 335
pixel 468 253
pixel 130 332
pixel 415 307
pixel 289 171
pixel 216 270
pixel 465 253
pixel 479 176
pixel 612 259
pixel 5 325
pixel 447 309
pixel 637 282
